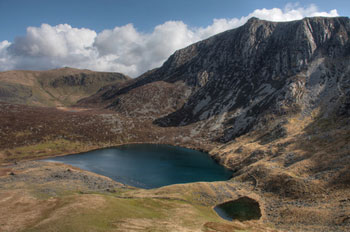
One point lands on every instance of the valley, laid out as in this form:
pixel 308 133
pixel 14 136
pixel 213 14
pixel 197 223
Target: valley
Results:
pixel 268 100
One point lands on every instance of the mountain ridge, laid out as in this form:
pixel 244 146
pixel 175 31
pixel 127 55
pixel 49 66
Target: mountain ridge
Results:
pixel 274 54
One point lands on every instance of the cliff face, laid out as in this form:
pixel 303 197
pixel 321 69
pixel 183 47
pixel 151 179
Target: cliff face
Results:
pixel 264 67
pixel 236 78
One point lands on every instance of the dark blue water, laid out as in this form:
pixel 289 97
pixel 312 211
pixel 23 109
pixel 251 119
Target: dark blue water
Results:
pixel 149 165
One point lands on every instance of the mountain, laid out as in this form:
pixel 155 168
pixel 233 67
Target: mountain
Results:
pixel 273 96
pixel 57 87
pixel 241 76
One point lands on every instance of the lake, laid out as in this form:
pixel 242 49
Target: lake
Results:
pixel 242 209
pixel 149 165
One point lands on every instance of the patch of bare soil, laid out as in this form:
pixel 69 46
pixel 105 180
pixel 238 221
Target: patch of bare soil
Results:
pixel 71 109
pixel 4 171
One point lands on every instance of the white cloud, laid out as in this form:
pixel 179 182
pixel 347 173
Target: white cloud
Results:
pixel 123 49
pixel 58 41
pixel 5 59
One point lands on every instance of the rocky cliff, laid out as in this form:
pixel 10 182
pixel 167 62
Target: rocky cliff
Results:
pixel 236 80
pixel 262 68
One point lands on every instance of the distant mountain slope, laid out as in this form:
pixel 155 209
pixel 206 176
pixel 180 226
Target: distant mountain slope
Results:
pixel 57 87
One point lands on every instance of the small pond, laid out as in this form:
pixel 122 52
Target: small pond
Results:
pixel 242 209
pixel 149 165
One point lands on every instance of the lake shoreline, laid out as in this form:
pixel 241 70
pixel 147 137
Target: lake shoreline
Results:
pixel 162 164
pixel 94 148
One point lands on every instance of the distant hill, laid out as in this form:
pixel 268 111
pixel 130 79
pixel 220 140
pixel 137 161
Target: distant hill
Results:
pixel 57 87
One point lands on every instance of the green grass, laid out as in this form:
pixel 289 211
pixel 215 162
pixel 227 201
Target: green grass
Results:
pixel 117 210
pixel 105 218
pixel 45 148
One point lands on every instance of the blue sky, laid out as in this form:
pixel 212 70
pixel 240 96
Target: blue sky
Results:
pixel 129 36
pixel 17 15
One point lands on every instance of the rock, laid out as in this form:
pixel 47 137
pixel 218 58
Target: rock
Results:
pixel 276 133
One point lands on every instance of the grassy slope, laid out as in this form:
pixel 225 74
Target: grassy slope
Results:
pixel 73 204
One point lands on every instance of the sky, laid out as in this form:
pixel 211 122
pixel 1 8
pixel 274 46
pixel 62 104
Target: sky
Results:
pixel 128 36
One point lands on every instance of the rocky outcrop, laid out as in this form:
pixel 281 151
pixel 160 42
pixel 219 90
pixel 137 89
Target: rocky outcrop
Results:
pixel 87 79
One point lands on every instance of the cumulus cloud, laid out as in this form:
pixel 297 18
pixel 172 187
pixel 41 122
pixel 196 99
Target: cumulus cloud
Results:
pixel 5 60
pixel 58 41
pixel 123 49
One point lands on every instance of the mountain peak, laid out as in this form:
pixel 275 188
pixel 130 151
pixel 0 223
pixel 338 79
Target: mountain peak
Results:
pixel 253 19
pixel 255 22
